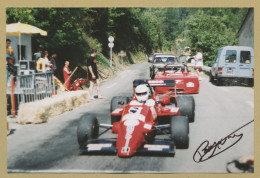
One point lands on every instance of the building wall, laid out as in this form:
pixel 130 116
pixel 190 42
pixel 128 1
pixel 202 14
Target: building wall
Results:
pixel 26 41
pixel 246 32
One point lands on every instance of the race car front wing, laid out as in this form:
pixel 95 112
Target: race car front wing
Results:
pixel 108 146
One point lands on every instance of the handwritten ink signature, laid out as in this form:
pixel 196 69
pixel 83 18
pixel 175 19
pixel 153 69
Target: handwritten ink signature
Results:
pixel 206 151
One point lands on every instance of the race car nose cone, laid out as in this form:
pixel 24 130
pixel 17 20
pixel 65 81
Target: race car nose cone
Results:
pixel 130 137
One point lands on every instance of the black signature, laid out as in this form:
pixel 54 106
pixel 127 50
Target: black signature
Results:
pixel 206 151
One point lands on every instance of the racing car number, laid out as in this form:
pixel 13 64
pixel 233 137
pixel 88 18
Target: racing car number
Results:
pixel 135 110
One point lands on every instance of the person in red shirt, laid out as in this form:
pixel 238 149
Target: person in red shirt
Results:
pixel 66 75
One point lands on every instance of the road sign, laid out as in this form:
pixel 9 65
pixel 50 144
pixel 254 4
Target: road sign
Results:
pixel 110 45
pixel 122 54
pixel 110 39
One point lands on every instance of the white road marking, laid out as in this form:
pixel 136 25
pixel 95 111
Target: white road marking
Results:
pixel 112 85
pixel 251 103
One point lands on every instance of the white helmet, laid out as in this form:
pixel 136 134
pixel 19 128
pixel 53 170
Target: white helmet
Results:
pixel 142 93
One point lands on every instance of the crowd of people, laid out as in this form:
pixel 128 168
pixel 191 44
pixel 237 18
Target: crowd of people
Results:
pixel 44 64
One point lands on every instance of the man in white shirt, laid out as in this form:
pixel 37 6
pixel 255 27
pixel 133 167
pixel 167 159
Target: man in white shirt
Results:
pixel 198 62
pixel 47 62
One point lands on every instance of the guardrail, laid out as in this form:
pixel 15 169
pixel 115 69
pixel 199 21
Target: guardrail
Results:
pixel 28 88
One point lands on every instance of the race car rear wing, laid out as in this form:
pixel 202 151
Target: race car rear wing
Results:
pixel 161 83
pixel 155 83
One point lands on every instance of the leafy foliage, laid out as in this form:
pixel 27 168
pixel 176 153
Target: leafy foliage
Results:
pixel 212 28
pixel 72 32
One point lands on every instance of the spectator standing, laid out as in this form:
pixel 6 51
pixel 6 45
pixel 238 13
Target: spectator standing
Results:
pixel 53 62
pixel 198 63
pixel 8 51
pixel 37 55
pixel 8 43
pixel 66 75
pixel 40 64
pixel 93 74
pixel 48 64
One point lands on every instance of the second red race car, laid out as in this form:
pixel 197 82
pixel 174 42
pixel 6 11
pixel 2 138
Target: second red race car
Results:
pixel 186 81
pixel 137 120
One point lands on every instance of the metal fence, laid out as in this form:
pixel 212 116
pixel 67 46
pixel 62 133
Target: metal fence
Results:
pixel 32 87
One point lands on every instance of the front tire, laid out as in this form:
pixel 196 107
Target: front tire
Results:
pixel 180 131
pixel 88 128
pixel 187 106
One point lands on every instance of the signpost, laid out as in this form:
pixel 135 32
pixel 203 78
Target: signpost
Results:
pixel 122 54
pixel 111 45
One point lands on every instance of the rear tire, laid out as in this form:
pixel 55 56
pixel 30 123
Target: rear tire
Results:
pixel 251 82
pixel 187 106
pixel 116 102
pixel 219 82
pixel 180 131
pixel 88 128
pixel 210 77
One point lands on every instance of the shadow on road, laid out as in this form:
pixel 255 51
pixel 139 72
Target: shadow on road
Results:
pixel 11 132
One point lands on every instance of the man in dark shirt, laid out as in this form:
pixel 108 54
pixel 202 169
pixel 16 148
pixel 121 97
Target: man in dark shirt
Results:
pixel 93 74
pixel 53 62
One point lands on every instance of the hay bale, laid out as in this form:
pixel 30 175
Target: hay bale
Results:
pixel 40 111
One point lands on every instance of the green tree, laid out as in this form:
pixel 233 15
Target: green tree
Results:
pixel 212 28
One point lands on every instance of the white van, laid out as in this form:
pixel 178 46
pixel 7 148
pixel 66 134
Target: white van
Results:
pixel 233 62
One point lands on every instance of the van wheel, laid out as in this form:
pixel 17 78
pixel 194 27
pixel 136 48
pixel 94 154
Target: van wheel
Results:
pixel 211 77
pixel 251 82
pixel 219 82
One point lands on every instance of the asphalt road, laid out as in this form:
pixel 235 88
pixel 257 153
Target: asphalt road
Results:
pixel 52 146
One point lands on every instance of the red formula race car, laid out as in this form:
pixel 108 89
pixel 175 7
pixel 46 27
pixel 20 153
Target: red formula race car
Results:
pixel 77 84
pixel 137 123
pixel 186 82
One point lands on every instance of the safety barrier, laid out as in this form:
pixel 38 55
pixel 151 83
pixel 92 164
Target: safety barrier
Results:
pixel 28 88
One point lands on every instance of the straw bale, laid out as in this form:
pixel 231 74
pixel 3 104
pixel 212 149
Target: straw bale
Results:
pixel 42 110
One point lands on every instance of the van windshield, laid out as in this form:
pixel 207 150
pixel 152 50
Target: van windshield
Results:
pixel 231 56
pixel 245 57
